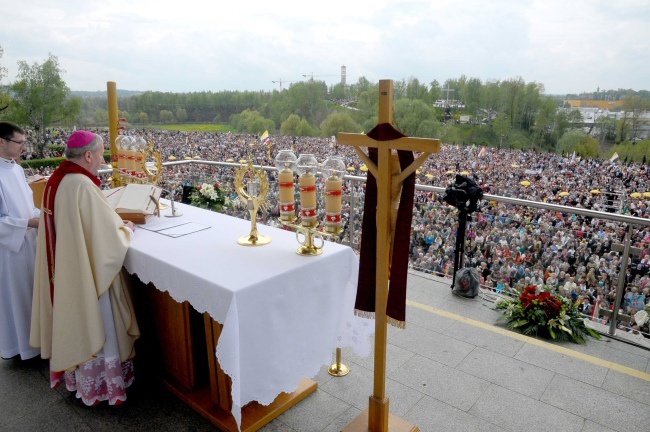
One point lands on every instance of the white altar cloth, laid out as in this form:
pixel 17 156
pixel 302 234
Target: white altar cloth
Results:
pixel 282 313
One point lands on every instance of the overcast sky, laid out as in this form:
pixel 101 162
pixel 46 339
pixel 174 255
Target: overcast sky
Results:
pixel 200 45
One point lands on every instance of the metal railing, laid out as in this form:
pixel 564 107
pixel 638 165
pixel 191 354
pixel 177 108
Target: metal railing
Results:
pixel 631 223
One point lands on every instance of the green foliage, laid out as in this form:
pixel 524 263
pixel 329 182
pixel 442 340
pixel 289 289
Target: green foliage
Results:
pixel 295 126
pixel 53 162
pixel 4 96
pixel 416 118
pixel 579 142
pixel 338 122
pixel 633 152
pixel 181 115
pixel 166 116
pixel 41 97
pixel 251 122
pixel 42 163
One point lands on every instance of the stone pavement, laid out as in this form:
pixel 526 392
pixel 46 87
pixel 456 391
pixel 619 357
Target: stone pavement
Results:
pixel 452 369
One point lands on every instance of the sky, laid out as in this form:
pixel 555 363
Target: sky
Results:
pixel 569 46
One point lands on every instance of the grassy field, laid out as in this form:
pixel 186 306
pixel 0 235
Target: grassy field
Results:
pixel 208 127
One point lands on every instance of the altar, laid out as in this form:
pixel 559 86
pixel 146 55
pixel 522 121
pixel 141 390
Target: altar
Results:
pixel 274 316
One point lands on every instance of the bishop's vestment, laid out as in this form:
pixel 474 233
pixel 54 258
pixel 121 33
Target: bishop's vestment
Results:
pixel 84 323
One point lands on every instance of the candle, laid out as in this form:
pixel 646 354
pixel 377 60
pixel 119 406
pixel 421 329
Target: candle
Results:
pixel 333 187
pixel 121 160
pixel 308 199
pixel 129 155
pixel 138 157
pixel 287 200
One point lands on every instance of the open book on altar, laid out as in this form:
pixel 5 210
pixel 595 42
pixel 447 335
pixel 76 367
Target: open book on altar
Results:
pixel 134 202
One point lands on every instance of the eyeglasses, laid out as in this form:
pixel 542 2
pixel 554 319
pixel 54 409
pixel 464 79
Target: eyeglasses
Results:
pixel 17 142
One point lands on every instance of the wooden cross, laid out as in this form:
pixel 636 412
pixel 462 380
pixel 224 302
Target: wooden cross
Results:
pixel 389 185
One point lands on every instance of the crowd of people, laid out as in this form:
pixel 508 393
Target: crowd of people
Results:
pixel 512 246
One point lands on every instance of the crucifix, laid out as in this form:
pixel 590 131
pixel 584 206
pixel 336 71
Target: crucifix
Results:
pixel 392 176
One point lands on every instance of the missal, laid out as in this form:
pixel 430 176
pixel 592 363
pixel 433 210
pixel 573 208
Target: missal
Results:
pixel 134 202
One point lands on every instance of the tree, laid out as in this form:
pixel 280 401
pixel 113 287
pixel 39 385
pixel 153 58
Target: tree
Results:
pixel 101 116
pixel 41 97
pixel 249 121
pixel 181 115
pixel 415 118
pixel 338 122
pixel 435 91
pixel 4 97
pixel 166 116
pixel 633 106
pixel 605 129
pixel 295 126
pixel 579 142
pixel 144 118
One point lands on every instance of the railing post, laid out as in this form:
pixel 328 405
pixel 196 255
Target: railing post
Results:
pixel 621 280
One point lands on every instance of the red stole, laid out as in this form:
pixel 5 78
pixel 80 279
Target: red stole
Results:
pixel 49 195
pixel 366 287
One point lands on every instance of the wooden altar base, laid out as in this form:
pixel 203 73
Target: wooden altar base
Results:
pixel 254 415
pixel 179 345
pixel 395 424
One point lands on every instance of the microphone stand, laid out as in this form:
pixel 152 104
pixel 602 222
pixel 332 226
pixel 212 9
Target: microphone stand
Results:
pixel 174 213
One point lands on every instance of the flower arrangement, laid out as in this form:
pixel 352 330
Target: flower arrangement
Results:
pixel 211 197
pixel 537 312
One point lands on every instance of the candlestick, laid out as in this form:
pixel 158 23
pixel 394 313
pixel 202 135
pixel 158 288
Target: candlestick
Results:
pixel 306 166
pixel 333 169
pixel 285 162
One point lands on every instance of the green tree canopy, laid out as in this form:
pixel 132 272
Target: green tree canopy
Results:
pixel 249 121
pixel 41 97
pixel 338 122
pixel 296 126
pixel 579 142
pixel 416 118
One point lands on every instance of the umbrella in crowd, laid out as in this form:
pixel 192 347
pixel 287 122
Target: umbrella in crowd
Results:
pixel 525 183
pixel 636 195
pixel 363 168
pixel 171 158
pixel 595 191
pixel 230 160
pixel 429 176
pixel 564 193
pixel 646 194
pixel 351 168
pixel 449 172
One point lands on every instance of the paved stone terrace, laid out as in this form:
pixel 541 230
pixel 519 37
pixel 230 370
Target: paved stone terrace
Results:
pixel 452 369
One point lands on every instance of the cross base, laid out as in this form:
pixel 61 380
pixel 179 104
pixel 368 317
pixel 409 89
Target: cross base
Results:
pixel 392 423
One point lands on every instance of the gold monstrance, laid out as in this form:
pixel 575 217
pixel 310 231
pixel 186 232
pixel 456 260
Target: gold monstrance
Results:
pixel 253 196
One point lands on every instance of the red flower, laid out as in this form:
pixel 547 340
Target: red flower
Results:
pixel 528 296
pixel 552 307
pixel 216 185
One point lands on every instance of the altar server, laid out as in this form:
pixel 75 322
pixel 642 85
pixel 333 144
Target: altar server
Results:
pixel 18 232
pixel 82 317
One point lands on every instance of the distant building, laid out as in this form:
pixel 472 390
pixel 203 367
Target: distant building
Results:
pixel 590 103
